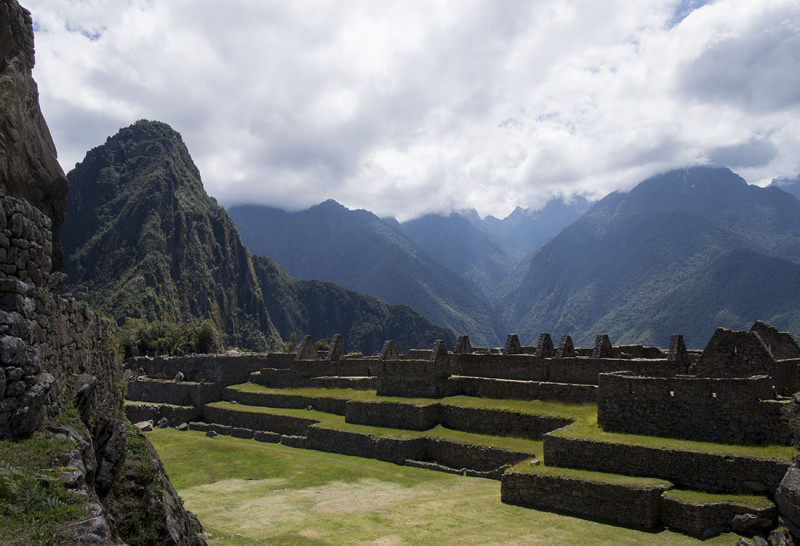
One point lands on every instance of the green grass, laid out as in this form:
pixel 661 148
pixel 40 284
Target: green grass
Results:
pixel 33 503
pixel 701 497
pixel 531 407
pixel 590 431
pixel 247 492
pixel 337 422
pixel 590 476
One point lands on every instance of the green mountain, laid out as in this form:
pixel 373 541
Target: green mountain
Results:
pixel 142 239
pixel 322 309
pixel 358 250
pixel 462 248
pixel 683 252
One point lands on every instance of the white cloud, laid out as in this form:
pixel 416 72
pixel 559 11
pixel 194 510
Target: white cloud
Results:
pixel 406 107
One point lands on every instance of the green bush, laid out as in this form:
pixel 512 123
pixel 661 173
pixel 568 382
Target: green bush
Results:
pixel 139 337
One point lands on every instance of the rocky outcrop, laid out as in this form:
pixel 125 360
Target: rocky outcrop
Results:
pixel 55 352
pixel 28 165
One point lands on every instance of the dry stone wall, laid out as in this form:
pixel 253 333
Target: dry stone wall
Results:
pixel 686 469
pixel 630 506
pixel 728 410
pixel 50 345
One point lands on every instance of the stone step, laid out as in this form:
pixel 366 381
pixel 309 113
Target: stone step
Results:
pixel 175 415
pixel 243 395
pixel 336 436
pixel 179 393
pixel 609 498
pixel 705 515
pixel 411 415
pixel 692 467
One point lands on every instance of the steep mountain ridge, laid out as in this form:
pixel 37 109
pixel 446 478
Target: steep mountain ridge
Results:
pixel 321 309
pixel 362 252
pixel 144 240
pixel 457 244
pixel 634 258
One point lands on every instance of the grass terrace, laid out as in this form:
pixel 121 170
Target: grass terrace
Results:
pixel 248 492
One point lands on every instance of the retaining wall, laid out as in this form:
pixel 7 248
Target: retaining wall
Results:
pixel 475 420
pixel 637 507
pixel 728 410
pixel 223 369
pixel 521 390
pixel 183 393
pixel 282 424
pixel 708 519
pixel 174 414
pixel 579 370
pixel 276 400
pixel 48 342
pixel 687 469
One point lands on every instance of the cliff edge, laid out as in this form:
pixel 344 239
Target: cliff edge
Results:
pixel 67 456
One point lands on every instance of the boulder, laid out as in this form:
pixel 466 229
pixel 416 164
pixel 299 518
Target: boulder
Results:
pixel 787 497
pixel 163 423
pixel 145 426
pixel 749 524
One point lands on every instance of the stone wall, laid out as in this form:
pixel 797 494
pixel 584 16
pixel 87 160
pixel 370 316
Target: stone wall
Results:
pixel 687 469
pixel 631 506
pixel 223 369
pixel 706 520
pixel 728 410
pixel 521 390
pixel 49 344
pixel 285 400
pixel 413 378
pixel 577 370
pixel 175 415
pixel 282 424
pixel 475 420
pixel 184 393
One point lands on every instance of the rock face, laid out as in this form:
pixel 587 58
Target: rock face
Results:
pixel 142 239
pixel 28 165
pixel 54 350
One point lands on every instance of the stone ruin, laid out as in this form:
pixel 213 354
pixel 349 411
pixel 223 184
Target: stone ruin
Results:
pixel 737 390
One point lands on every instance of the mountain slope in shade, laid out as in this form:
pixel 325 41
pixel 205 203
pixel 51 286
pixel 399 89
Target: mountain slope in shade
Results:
pixel 462 248
pixel 322 309
pixel 789 185
pixel 358 250
pixel 633 265
pixel 524 229
pixel 143 239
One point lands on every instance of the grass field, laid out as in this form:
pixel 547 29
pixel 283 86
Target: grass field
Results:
pixel 246 492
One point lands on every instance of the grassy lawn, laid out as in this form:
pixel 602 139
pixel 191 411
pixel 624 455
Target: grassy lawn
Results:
pixel 246 492
pixel 590 431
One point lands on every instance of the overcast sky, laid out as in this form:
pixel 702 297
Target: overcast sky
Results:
pixel 407 107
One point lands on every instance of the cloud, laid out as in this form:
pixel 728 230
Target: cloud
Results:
pixel 409 107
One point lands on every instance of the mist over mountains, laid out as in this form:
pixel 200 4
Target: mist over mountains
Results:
pixel 142 239
pixel 683 252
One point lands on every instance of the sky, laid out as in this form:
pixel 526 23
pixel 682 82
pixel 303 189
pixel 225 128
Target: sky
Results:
pixel 408 107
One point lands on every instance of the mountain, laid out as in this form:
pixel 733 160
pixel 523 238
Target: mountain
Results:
pixel 457 244
pixel 358 250
pixel 682 252
pixel 789 185
pixel 322 309
pixel 524 229
pixel 142 239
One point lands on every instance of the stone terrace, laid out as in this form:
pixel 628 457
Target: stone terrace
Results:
pixel 524 415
